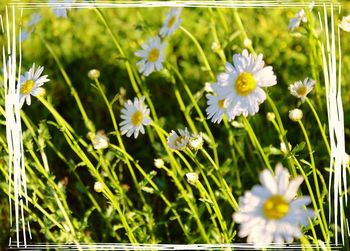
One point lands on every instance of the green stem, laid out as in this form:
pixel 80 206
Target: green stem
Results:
pixel 323 133
pixel 256 143
pixel 314 172
pixel 201 52
pixel 88 123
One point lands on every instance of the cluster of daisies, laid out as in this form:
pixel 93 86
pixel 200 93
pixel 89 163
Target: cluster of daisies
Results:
pixel 152 52
pixel 270 212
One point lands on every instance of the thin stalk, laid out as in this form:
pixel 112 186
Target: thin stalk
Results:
pixel 314 172
pixel 88 123
pixel 256 143
pixel 323 133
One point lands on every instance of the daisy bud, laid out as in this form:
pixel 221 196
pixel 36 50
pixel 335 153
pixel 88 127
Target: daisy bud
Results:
pixel 284 149
pixel 270 116
pixel 100 140
pixel 159 163
pixel 247 42
pixel 196 142
pixel 94 74
pixel 215 46
pixel 295 115
pixel 98 187
pixel 192 178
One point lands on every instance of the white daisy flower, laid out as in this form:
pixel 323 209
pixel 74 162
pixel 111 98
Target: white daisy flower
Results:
pixel 178 142
pixel 135 115
pixel 298 18
pixel 30 84
pixel 344 24
pixel 61 10
pixel 217 105
pixel 301 89
pixel 270 213
pixel 172 22
pixel 242 85
pixel 152 56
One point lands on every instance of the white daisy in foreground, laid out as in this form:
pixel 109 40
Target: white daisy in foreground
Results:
pixel 171 23
pixel 270 213
pixel 298 18
pixel 152 56
pixel 60 10
pixel 178 142
pixel 344 24
pixel 301 89
pixel 135 115
pixel 240 88
pixel 30 84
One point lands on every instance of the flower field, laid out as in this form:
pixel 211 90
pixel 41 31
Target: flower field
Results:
pixel 176 124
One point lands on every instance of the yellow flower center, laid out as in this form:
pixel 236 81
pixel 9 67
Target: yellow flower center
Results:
pixel 153 55
pixel 27 87
pixel 245 84
pixel 171 21
pixel 136 118
pixel 275 207
pixel 221 103
pixel 302 90
pixel 178 140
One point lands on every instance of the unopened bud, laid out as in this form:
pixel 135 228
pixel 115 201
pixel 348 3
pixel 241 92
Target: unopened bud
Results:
pixel 159 163
pixel 98 187
pixel 94 74
pixel 270 116
pixel 296 115
pixel 192 178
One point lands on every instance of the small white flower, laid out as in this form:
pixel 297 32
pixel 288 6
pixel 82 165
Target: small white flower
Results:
pixel 270 213
pixel 30 84
pixel 159 163
pixel 240 87
pixel 172 22
pixel 100 140
pixel 192 178
pixel 178 142
pixel 98 187
pixel 344 24
pixel 152 56
pixel 301 89
pixel 135 115
pixel 61 10
pixel 295 22
pixel 195 142
pixel 295 115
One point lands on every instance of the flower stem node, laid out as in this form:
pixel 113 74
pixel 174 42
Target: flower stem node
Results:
pixel 295 115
